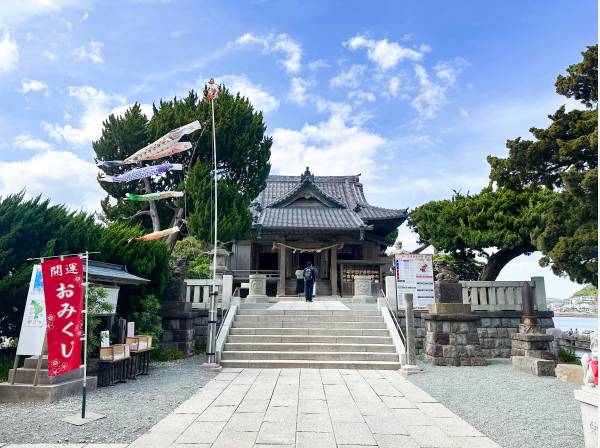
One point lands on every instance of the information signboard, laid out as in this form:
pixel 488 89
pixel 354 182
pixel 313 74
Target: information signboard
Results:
pixel 33 327
pixel 414 275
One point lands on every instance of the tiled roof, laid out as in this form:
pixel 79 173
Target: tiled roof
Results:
pixel 352 211
pixel 310 218
pixel 116 273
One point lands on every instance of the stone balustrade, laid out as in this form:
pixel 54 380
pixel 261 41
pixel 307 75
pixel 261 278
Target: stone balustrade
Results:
pixel 502 295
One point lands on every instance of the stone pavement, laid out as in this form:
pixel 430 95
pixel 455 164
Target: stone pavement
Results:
pixel 307 408
pixel 311 408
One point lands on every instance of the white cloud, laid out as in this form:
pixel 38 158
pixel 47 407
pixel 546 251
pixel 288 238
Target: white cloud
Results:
pixel 318 64
pixel 120 110
pixel 32 85
pixel 275 43
pixel 394 86
pixel 97 105
pixel 9 53
pixel 26 141
pixel 384 53
pixel 350 78
pixel 59 175
pixel 50 55
pixel 362 96
pixel 432 94
pixel 260 99
pixel 91 51
pixel 12 13
pixel 325 145
pixel 298 89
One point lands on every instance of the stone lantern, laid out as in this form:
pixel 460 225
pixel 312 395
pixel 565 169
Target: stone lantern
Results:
pixel 222 258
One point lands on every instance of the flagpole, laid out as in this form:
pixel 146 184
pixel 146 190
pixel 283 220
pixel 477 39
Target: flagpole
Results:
pixel 85 336
pixel 212 317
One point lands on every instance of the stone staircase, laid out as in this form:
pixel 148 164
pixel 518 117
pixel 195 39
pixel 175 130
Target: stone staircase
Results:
pixel 326 339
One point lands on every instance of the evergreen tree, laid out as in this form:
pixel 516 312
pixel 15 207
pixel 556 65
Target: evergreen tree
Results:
pixel 243 152
pixel 563 158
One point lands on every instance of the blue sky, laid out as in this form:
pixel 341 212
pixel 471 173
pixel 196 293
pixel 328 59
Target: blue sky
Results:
pixel 414 95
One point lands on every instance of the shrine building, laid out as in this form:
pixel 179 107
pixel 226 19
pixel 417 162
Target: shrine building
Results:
pixel 322 219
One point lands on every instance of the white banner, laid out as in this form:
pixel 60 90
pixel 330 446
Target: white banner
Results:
pixel 33 327
pixel 414 275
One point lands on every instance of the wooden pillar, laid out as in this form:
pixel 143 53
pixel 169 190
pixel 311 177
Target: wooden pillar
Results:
pixel 333 273
pixel 281 260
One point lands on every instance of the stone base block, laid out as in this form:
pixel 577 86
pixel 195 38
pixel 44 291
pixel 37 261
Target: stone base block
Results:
pixel 536 366
pixel 256 299
pixel 18 393
pixel 449 308
pixel 569 373
pixel 363 299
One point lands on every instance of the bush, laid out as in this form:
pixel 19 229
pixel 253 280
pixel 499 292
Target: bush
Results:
pixel 567 356
pixel 200 347
pixel 193 252
pixel 163 353
pixel 7 358
pixel 148 320
pixel 96 305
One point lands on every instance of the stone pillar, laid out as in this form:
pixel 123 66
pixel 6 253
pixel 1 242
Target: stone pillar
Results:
pixel 258 289
pixel 410 330
pixel 362 289
pixel 333 273
pixel 540 293
pixel 281 260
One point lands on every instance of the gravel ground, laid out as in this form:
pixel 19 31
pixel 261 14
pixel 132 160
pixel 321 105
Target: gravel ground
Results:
pixel 515 409
pixel 131 408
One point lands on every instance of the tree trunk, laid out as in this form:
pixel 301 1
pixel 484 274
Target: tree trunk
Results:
pixel 153 211
pixel 500 259
pixel 177 221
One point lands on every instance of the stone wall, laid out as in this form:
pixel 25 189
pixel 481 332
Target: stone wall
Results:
pixel 495 329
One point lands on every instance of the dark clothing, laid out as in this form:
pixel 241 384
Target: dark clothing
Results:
pixel 308 289
pixel 299 286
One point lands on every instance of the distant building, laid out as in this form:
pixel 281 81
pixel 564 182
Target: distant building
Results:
pixel 322 219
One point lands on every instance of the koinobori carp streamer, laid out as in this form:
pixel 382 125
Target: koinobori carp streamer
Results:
pixel 140 173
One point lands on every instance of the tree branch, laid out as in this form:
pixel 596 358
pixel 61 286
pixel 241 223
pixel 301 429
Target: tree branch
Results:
pixel 136 214
pixel 420 249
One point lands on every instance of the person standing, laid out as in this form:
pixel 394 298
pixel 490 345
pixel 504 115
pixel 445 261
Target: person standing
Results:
pixel 309 281
pixel 299 280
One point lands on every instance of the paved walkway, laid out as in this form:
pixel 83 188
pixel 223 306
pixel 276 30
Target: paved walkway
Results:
pixel 307 408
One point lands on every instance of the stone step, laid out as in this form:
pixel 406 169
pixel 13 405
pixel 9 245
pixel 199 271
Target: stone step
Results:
pixel 310 331
pixel 307 347
pixel 312 364
pixel 26 376
pixel 270 312
pixel 310 324
pixel 311 339
pixel 31 362
pixel 307 318
pixel 310 356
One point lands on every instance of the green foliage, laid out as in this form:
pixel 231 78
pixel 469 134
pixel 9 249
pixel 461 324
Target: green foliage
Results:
pixel 467 225
pixel 581 82
pixel 96 304
pixel 563 158
pixel 390 238
pixel 567 356
pixel 234 219
pixel 200 347
pixel 163 353
pixel 147 318
pixel 242 156
pixel 33 228
pixel 466 267
pixel 7 358
pixel 193 252
pixel 587 290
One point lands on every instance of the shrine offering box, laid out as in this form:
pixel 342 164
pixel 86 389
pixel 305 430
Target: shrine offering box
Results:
pixel 113 352
pixel 139 342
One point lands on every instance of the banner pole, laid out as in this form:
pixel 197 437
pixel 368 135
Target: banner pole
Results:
pixel 85 334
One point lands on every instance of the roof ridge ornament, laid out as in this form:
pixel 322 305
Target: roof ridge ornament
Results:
pixel 307 175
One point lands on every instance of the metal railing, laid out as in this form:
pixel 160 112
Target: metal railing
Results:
pixel 394 318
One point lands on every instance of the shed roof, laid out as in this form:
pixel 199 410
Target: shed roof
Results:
pixel 113 273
